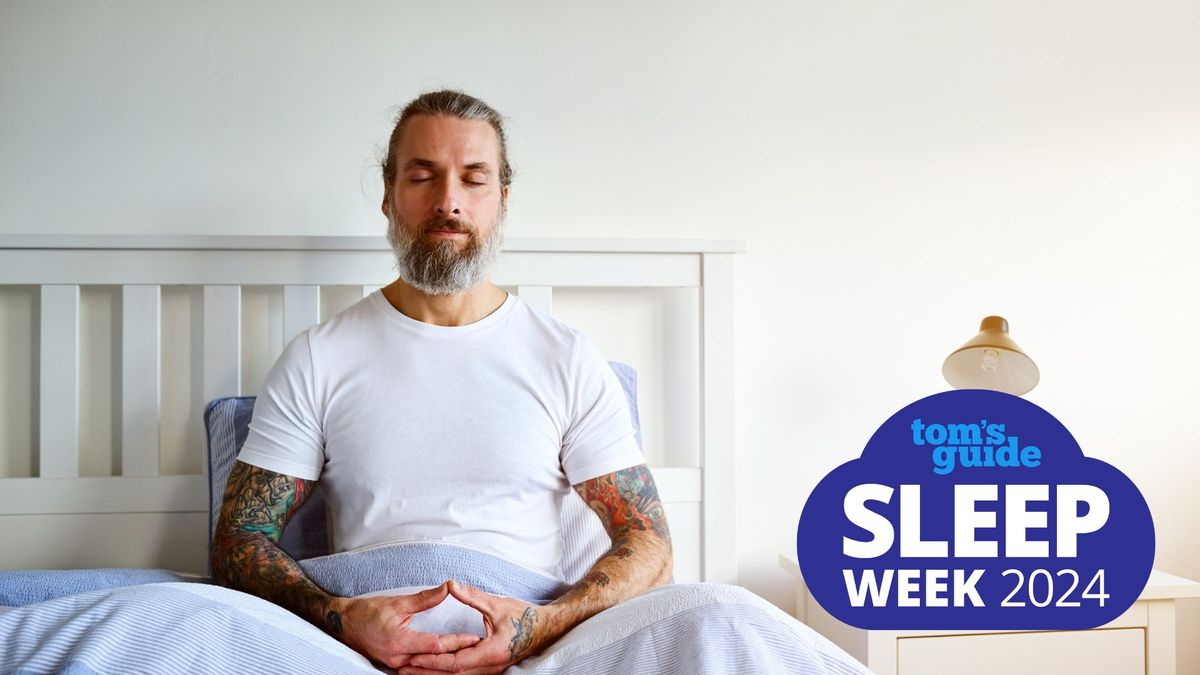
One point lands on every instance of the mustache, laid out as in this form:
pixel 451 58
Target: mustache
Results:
pixel 447 223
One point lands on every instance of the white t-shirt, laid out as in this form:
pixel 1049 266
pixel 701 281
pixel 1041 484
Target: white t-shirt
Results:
pixel 469 434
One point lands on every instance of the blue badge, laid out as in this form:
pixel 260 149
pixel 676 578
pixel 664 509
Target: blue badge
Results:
pixel 975 510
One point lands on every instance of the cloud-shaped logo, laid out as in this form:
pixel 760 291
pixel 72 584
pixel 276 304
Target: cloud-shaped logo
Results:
pixel 975 510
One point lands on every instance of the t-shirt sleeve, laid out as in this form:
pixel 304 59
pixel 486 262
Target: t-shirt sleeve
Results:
pixel 285 433
pixel 600 437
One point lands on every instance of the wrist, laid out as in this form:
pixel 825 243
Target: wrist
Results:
pixel 331 613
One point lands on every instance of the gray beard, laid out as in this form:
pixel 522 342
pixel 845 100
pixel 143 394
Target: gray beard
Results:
pixel 440 269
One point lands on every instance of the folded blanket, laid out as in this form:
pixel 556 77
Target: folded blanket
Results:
pixel 25 587
pixel 411 567
pixel 428 563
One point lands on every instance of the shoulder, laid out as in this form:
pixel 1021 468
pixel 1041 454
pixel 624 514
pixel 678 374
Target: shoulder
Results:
pixel 356 317
pixel 357 329
pixel 550 335
pixel 562 349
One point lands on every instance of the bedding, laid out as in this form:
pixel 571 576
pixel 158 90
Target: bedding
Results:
pixel 167 628
pixel 25 587
pixel 119 621
pixel 199 628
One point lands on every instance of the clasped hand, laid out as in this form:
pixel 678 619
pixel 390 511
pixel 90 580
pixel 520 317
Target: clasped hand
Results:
pixel 378 627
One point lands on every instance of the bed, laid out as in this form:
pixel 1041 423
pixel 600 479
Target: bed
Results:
pixel 140 511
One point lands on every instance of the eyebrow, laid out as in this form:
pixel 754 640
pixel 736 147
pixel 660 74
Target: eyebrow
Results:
pixel 430 164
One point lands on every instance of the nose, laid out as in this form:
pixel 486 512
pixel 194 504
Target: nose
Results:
pixel 448 200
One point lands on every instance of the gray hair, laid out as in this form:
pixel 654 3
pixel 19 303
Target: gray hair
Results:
pixel 447 103
pixel 438 269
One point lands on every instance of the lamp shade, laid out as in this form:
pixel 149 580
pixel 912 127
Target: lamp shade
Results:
pixel 991 360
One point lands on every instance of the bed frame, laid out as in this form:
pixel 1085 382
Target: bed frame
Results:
pixel 54 517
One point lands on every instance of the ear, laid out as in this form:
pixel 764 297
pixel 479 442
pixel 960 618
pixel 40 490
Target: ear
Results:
pixel 383 205
pixel 504 194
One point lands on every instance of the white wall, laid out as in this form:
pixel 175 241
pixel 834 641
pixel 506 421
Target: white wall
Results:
pixel 899 170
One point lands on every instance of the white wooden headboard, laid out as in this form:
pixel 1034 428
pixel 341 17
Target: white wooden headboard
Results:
pixel 147 515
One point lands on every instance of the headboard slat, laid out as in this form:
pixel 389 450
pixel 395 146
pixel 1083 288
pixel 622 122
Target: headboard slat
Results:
pixel 222 341
pixel 58 417
pixel 141 379
pixel 301 309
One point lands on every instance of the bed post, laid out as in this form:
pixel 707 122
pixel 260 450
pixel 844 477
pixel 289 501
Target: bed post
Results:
pixel 719 546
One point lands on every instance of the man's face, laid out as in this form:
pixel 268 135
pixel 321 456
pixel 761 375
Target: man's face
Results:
pixel 446 205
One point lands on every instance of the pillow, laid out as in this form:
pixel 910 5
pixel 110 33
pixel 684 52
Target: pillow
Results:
pixel 227 421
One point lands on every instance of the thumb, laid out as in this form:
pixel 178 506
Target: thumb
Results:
pixel 427 599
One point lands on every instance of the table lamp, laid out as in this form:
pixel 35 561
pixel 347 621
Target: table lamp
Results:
pixel 991 360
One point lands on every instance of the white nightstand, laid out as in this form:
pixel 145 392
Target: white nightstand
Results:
pixel 1139 642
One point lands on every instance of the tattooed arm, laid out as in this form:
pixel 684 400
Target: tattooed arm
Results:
pixel 640 559
pixel 245 552
pixel 246 556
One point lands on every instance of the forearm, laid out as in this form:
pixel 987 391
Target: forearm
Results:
pixel 638 561
pixel 251 562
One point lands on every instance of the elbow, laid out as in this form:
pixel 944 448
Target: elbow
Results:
pixel 667 569
pixel 227 548
pixel 664 576
pixel 216 561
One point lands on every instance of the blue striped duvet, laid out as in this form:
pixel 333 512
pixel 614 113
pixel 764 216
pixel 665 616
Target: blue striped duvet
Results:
pixel 200 628
pixel 167 628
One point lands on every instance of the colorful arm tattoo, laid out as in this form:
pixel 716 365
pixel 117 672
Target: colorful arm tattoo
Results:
pixel 257 505
pixel 626 500
pixel 628 505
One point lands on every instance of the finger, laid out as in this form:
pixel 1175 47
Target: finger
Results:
pixel 486 670
pixel 415 642
pixel 471 596
pixel 416 670
pixel 427 599
pixel 485 654
pixel 456 641
pixel 397 661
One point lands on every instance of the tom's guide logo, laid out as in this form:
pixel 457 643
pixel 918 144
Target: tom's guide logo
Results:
pixel 974 509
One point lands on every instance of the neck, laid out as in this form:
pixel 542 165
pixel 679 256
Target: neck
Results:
pixel 459 309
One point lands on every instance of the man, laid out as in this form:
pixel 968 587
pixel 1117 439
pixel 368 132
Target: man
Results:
pixel 441 408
